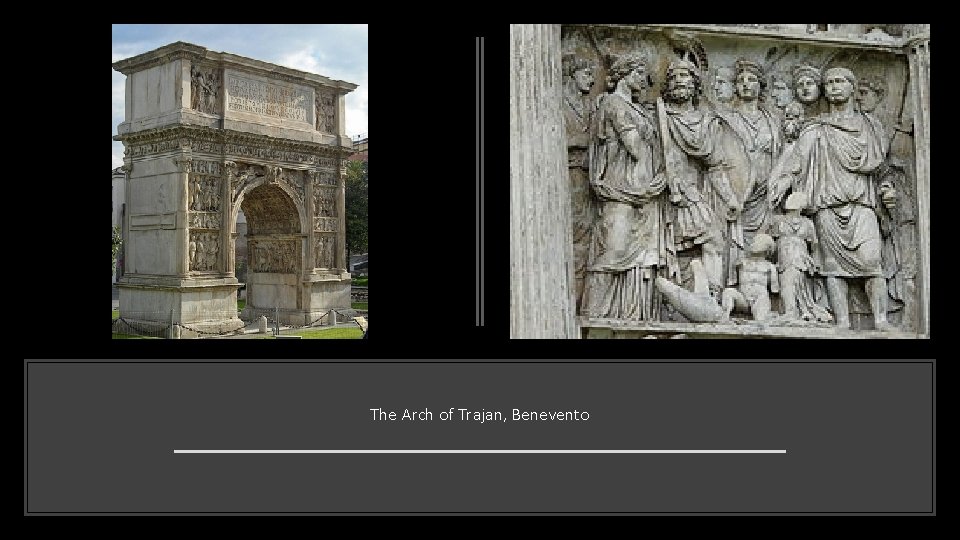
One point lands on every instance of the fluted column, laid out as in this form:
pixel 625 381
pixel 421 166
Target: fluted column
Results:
pixel 184 166
pixel 125 218
pixel 340 246
pixel 918 50
pixel 541 253
pixel 227 239
pixel 310 180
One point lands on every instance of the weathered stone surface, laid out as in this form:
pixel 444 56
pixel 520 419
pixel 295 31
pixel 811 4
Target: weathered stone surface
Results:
pixel 682 144
pixel 541 252
pixel 205 134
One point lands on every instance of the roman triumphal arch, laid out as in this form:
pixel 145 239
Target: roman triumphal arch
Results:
pixel 209 134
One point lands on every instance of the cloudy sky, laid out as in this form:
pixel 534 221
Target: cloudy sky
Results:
pixel 335 51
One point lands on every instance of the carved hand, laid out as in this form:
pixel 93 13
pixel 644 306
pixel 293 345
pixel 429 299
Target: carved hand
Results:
pixel 765 143
pixel 679 199
pixel 889 196
pixel 733 210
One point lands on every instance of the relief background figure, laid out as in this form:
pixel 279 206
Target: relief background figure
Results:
pixel 697 167
pixel 627 244
pixel 832 164
pixel 578 115
pixel 796 241
pixel 760 131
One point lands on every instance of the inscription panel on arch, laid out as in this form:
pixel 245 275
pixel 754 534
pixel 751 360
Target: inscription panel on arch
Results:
pixel 250 94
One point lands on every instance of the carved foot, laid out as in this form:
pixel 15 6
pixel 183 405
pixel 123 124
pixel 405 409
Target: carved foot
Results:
pixel 884 326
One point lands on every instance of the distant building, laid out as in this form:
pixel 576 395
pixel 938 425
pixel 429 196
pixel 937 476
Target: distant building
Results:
pixel 359 149
pixel 358 264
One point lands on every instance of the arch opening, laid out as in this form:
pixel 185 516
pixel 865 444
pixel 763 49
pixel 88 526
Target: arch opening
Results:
pixel 274 254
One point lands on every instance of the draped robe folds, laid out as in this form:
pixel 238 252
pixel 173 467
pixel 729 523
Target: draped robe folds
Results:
pixel 628 240
pixel 763 143
pixel 578 115
pixel 700 140
pixel 797 266
pixel 831 163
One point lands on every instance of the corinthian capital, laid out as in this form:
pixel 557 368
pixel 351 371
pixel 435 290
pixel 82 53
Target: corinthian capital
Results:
pixel 184 163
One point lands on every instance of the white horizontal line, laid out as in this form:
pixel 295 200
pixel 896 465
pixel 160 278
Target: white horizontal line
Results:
pixel 479 451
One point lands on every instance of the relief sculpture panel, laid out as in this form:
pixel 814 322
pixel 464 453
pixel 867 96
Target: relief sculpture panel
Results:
pixel 273 255
pixel 204 251
pixel 720 179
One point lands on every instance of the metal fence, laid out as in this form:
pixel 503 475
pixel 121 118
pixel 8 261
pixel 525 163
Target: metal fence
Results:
pixel 159 324
pixel 275 317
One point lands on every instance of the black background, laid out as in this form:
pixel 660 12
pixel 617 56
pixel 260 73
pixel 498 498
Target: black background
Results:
pixel 421 114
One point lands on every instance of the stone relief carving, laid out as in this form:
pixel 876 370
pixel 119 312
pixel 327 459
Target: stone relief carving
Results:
pixel 246 174
pixel 324 202
pixel 325 178
pixel 204 251
pixel 153 148
pixel 832 164
pixel 294 180
pixel 212 141
pixel 204 220
pixel 322 224
pixel 264 98
pixel 801 291
pixel 681 178
pixel 578 115
pixel 324 251
pixel 701 152
pixel 757 278
pixel 627 180
pixel 273 255
pixel 328 163
pixel 326 111
pixel 205 88
pixel 204 193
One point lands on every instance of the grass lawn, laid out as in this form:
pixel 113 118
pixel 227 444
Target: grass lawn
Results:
pixel 358 305
pixel 360 281
pixel 327 333
pixel 130 336
pixel 116 314
pixel 240 304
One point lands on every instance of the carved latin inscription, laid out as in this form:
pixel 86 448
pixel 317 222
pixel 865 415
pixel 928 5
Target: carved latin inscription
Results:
pixel 252 96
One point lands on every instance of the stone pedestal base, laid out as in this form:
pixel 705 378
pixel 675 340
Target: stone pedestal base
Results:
pixel 191 304
pixel 619 329
pixel 298 303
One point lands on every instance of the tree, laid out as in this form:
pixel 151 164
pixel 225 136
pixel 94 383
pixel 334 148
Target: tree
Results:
pixel 355 203
pixel 117 241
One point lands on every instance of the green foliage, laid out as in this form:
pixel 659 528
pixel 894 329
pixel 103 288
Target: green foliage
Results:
pixel 358 305
pixel 241 304
pixel 130 336
pixel 116 314
pixel 359 281
pixel 355 204
pixel 328 333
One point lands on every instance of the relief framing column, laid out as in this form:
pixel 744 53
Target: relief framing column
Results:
pixel 125 217
pixel 918 53
pixel 541 255
pixel 184 162
pixel 341 235
pixel 227 234
pixel 308 254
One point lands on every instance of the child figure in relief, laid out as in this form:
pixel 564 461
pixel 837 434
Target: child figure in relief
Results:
pixel 796 239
